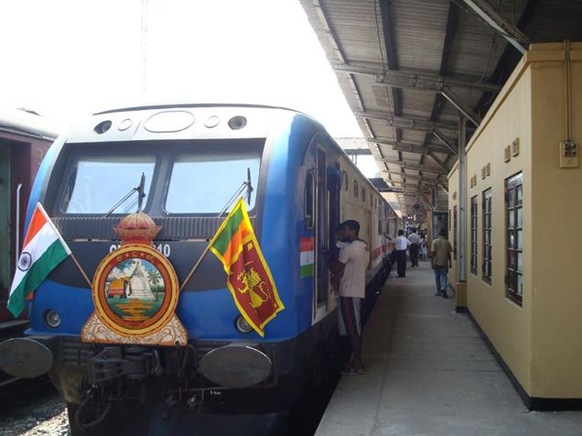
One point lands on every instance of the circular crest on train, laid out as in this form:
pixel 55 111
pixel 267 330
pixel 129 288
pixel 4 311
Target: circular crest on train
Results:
pixel 135 290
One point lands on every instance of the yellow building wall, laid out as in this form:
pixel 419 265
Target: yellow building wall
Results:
pixel 556 288
pixel 507 325
pixel 540 341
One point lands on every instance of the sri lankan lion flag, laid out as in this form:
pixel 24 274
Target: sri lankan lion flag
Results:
pixel 249 278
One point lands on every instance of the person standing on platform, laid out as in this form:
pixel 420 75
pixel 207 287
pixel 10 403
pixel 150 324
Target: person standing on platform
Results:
pixel 414 248
pixel 440 254
pixel 423 249
pixel 401 244
pixel 351 268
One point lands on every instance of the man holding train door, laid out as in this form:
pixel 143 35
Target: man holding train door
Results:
pixel 351 267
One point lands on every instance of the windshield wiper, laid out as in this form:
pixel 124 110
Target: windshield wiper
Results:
pixel 248 185
pixel 140 196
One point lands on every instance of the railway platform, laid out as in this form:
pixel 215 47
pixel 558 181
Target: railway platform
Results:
pixel 430 373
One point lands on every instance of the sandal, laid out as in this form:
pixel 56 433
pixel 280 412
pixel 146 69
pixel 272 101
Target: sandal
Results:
pixel 353 371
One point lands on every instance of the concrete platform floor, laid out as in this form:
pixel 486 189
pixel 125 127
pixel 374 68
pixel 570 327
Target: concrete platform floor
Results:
pixel 430 373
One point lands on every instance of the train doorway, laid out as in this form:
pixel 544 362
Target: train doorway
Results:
pixel 5 224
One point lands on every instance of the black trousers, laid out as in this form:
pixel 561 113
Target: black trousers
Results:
pixel 414 254
pixel 401 262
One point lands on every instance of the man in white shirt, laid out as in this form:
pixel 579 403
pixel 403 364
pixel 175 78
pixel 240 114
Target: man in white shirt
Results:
pixel 351 266
pixel 414 248
pixel 401 245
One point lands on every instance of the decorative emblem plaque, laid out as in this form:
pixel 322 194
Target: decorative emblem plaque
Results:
pixel 135 291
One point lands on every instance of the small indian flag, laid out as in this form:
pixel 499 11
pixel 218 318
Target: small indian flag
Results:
pixel 43 250
pixel 307 257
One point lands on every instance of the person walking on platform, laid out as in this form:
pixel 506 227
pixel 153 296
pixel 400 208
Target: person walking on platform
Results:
pixel 401 244
pixel 351 267
pixel 414 248
pixel 440 254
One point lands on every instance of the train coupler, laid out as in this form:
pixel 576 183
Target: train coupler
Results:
pixel 114 362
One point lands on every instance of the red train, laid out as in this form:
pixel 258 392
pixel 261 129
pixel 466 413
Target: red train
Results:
pixel 24 139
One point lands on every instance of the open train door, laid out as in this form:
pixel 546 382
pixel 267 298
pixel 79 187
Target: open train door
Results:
pixel 6 238
pixel 327 180
pixel 21 152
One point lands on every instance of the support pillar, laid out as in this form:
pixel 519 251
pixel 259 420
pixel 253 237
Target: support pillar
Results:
pixel 461 285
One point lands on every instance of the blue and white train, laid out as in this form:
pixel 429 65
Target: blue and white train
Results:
pixel 192 158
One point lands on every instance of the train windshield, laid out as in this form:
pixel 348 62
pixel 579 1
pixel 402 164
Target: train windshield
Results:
pixel 97 183
pixel 203 183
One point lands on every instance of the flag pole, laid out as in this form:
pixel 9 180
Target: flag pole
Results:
pixel 195 267
pixel 50 222
pixel 207 249
pixel 81 270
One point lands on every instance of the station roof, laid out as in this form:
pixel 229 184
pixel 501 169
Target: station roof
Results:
pixel 410 68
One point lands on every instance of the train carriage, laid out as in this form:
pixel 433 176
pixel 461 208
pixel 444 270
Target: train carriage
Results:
pixel 24 139
pixel 180 166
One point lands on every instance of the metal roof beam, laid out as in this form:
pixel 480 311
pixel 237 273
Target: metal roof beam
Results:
pixel 441 137
pixel 414 79
pixel 357 151
pixel 498 22
pixel 410 123
pixel 471 116
pixel 438 161
pixel 410 147
pixel 413 167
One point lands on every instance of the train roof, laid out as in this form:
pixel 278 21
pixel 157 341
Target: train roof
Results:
pixel 198 105
pixel 29 124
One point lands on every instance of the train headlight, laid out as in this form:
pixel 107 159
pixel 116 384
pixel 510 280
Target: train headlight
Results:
pixel 237 122
pixel 242 325
pixel 52 318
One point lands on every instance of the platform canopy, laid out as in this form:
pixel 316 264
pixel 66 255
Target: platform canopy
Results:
pixel 410 68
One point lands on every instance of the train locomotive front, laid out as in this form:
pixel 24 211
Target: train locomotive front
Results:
pixel 172 171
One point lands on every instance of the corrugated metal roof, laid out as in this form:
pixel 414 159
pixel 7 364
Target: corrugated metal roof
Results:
pixel 409 68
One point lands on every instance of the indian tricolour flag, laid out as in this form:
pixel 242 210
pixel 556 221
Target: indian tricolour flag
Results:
pixel 307 257
pixel 43 250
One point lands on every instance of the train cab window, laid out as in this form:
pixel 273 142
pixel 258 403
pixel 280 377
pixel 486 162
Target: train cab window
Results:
pixel 95 184
pixel 202 183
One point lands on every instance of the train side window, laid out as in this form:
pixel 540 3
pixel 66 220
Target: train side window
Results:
pixel 363 195
pixel 356 189
pixel 345 180
pixel 309 218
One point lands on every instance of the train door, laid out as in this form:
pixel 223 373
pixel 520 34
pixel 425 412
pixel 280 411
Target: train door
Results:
pixel 369 237
pixel 326 221
pixel 5 228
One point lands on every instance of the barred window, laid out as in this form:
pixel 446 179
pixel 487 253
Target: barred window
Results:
pixel 487 230
pixel 514 238
pixel 474 235
pixel 455 232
